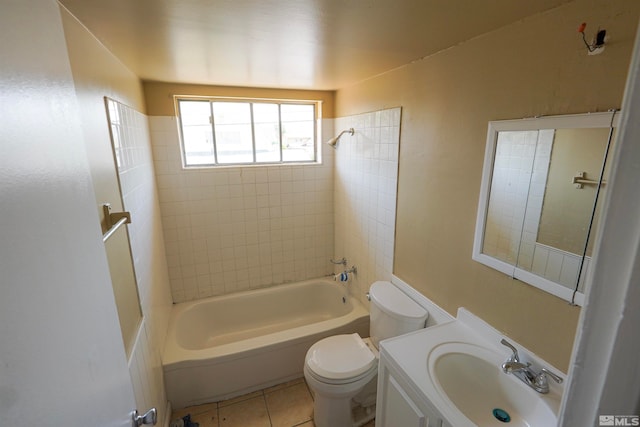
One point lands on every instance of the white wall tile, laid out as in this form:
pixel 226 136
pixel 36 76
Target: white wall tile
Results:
pixel 365 196
pixel 554 265
pixel 283 226
pixel 569 270
pixel 232 209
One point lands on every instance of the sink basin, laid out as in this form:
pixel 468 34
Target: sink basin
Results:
pixel 471 380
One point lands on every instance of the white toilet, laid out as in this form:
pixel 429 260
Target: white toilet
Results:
pixel 343 368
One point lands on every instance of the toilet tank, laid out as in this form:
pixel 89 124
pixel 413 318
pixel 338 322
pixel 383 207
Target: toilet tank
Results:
pixel 392 312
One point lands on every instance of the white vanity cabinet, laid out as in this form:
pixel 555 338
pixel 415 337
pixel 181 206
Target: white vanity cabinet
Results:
pixel 398 403
pixel 465 357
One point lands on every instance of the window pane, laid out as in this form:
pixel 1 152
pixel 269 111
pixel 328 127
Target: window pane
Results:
pixel 267 132
pixel 196 132
pixel 246 132
pixel 232 122
pixel 298 132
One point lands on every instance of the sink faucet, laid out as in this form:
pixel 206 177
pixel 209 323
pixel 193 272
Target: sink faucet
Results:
pixel 538 382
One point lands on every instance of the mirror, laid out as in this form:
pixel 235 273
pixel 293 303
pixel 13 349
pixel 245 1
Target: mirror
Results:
pixel 126 127
pixel 542 179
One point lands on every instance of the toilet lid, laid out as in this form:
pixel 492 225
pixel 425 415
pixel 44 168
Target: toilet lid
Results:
pixel 396 303
pixel 340 357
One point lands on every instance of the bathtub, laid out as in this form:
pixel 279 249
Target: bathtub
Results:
pixel 226 346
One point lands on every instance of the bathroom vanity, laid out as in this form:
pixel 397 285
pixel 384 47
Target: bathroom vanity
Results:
pixel 452 375
pixel 401 404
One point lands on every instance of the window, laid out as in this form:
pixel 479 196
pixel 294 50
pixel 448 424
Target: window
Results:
pixel 230 132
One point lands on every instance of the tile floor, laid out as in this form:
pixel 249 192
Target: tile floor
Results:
pixel 285 405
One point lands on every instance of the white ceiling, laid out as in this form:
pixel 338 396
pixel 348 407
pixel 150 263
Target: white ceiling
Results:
pixel 305 44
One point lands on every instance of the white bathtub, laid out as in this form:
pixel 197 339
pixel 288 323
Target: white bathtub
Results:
pixel 221 347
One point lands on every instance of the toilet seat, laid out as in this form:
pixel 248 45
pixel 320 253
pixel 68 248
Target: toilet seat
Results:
pixel 340 359
pixel 367 375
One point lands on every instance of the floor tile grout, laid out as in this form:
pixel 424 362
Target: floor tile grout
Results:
pixel 215 407
pixel 266 405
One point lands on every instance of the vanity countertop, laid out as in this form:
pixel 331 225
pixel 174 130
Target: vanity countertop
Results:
pixel 410 354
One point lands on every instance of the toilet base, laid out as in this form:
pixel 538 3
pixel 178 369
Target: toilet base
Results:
pixel 362 415
pixel 353 408
pixel 329 412
pixel 341 413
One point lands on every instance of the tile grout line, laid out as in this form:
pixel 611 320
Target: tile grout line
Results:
pixel 261 393
pixel 264 399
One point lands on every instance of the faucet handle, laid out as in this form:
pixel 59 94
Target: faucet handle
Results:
pixel 548 373
pixel 514 357
pixel 540 384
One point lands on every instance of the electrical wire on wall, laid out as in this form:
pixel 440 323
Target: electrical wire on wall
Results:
pixel 597 44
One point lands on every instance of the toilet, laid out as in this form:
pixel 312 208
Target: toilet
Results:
pixel 341 370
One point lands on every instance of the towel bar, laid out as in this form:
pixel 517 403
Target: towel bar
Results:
pixel 114 220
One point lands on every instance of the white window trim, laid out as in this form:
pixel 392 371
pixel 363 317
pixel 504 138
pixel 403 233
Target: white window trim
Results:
pixel 316 131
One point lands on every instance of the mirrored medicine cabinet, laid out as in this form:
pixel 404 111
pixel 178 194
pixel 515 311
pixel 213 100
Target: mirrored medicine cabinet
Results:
pixel 542 186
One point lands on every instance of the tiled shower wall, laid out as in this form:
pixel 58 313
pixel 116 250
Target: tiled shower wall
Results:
pixel 509 190
pixel 366 177
pixel 535 197
pixel 231 229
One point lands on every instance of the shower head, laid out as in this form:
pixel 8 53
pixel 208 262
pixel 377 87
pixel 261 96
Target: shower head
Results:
pixel 333 142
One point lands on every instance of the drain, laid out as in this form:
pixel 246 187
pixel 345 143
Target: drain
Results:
pixel 501 415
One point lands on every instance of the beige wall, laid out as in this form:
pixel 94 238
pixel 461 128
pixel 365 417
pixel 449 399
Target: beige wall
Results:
pixel 159 96
pixel 97 73
pixel 533 67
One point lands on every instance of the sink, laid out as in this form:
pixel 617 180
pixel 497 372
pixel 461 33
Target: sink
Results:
pixel 453 373
pixel 471 380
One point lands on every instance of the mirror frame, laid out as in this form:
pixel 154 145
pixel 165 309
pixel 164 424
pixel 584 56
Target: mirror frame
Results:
pixel 588 120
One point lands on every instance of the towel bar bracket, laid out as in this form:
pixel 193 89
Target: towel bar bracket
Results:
pixel 580 180
pixel 110 218
pixel 113 220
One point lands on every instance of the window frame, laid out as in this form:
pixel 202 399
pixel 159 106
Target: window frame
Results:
pixel 251 101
